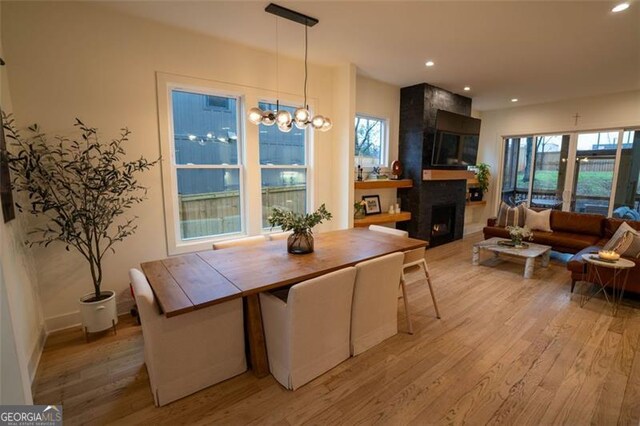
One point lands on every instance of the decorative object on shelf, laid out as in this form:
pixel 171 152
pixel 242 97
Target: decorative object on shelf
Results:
pixel 518 233
pixel 8 211
pixel 392 209
pixel 482 174
pixel 301 240
pixel 372 204
pixel 82 187
pixel 358 209
pixel 398 208
pixel 396 169
pixel 301 117
pixel 359 173
pixel 378 173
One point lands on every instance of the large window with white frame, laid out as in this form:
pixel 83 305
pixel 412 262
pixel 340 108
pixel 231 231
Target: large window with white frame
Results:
pixel 207 163
pixel 371 141
pixel 283 166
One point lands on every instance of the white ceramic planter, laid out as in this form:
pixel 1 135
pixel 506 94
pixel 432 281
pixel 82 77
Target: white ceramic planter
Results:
pixel 100 315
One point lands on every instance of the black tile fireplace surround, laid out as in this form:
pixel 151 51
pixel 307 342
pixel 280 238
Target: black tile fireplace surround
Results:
pixel 434 194
pixel 419 105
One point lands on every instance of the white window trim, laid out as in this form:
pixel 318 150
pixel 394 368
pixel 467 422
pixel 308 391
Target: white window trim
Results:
pixel 385 139
pixel 249 158
pixel 176 244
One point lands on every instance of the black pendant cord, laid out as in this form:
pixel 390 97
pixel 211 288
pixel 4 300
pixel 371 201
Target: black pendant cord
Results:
pixel 306 45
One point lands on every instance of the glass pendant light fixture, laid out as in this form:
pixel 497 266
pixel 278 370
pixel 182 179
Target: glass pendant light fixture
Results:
pixel 301 117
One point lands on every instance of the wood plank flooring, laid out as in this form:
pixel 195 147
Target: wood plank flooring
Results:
pixel 506 351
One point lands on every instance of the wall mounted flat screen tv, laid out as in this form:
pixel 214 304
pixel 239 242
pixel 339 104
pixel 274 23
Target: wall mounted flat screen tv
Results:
pixel 456 140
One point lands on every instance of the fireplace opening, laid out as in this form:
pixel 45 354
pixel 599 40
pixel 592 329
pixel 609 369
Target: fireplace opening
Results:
pixel 442 224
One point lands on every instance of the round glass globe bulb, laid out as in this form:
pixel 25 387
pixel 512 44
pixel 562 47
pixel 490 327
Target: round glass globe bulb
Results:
pixel 255 115
pixel 268 118
pixel 283 117
pixel 317 122
pixel 301 125
pixel 327 125
pixel 285 128
pixel 301 115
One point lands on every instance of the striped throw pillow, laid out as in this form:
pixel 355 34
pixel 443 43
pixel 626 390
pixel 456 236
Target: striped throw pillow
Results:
pixel 634 246
pixel 622 240
pixel 511 216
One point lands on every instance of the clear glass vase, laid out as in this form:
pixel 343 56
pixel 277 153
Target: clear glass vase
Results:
pixel 300 243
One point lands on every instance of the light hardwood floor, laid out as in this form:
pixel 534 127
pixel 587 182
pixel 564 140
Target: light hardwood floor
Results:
pixel 507 350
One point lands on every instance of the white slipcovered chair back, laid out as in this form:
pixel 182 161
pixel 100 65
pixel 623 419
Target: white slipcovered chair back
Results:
pixel 374 314
pixel 309 333
pixel 391 231
pixel 242 242
pixel 190 351
pixel 410 256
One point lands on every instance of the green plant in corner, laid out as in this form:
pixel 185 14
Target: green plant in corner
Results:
pixel 483 174
pixel 81 186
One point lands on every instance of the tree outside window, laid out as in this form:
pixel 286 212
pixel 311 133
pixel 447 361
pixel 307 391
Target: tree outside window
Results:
pixel 370 141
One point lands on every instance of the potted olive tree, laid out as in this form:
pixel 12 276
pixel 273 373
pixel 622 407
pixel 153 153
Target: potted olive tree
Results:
pixel 301 240
pixel 80 189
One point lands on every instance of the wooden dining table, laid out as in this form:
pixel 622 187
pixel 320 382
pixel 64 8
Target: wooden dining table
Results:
pixel 184 283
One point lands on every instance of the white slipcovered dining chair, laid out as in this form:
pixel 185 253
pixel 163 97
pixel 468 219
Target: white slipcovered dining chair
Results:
pixel 413 257
pixel 307 333
pixel 242 242
pixel 374 312
pixel 192 351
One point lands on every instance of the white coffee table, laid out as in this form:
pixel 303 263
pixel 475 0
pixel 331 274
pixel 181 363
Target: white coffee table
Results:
pixel 617 281
pixel 530 253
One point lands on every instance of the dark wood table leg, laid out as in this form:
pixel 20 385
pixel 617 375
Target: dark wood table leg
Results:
pixel 255 336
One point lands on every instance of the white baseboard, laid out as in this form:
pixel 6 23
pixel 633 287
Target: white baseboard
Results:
pixel 72 319
pixel 472 228
pixel 36 354
pixel 61 322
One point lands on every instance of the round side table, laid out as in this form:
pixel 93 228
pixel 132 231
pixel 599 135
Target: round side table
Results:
pixel 617 282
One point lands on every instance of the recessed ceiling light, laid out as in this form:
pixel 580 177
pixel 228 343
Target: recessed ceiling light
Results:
pixel 514 99
pixel 467 88
pixel 620 7
pixel 430 63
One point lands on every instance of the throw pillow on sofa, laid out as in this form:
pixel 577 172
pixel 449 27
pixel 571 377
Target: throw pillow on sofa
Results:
pixel 634 245
pixel 625 241
pixel 511 216
pixel 538 221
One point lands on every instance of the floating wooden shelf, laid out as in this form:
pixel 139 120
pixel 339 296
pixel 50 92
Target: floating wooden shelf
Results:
pixel 386 183
pixel 473 182
pixel 375 219
pixel 447 175
pixel 476 203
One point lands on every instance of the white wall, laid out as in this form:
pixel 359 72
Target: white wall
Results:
pixel 22 329
pixel 381 100
pixel 601 112
pixel 80 59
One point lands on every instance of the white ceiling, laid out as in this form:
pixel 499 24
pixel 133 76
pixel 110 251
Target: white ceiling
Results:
pixel 538 51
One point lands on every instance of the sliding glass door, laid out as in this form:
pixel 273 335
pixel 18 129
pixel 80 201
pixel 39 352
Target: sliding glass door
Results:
pixel 594 170
pixel 550 171
pixel 627 199
pixel 517 170
pixel 590 172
